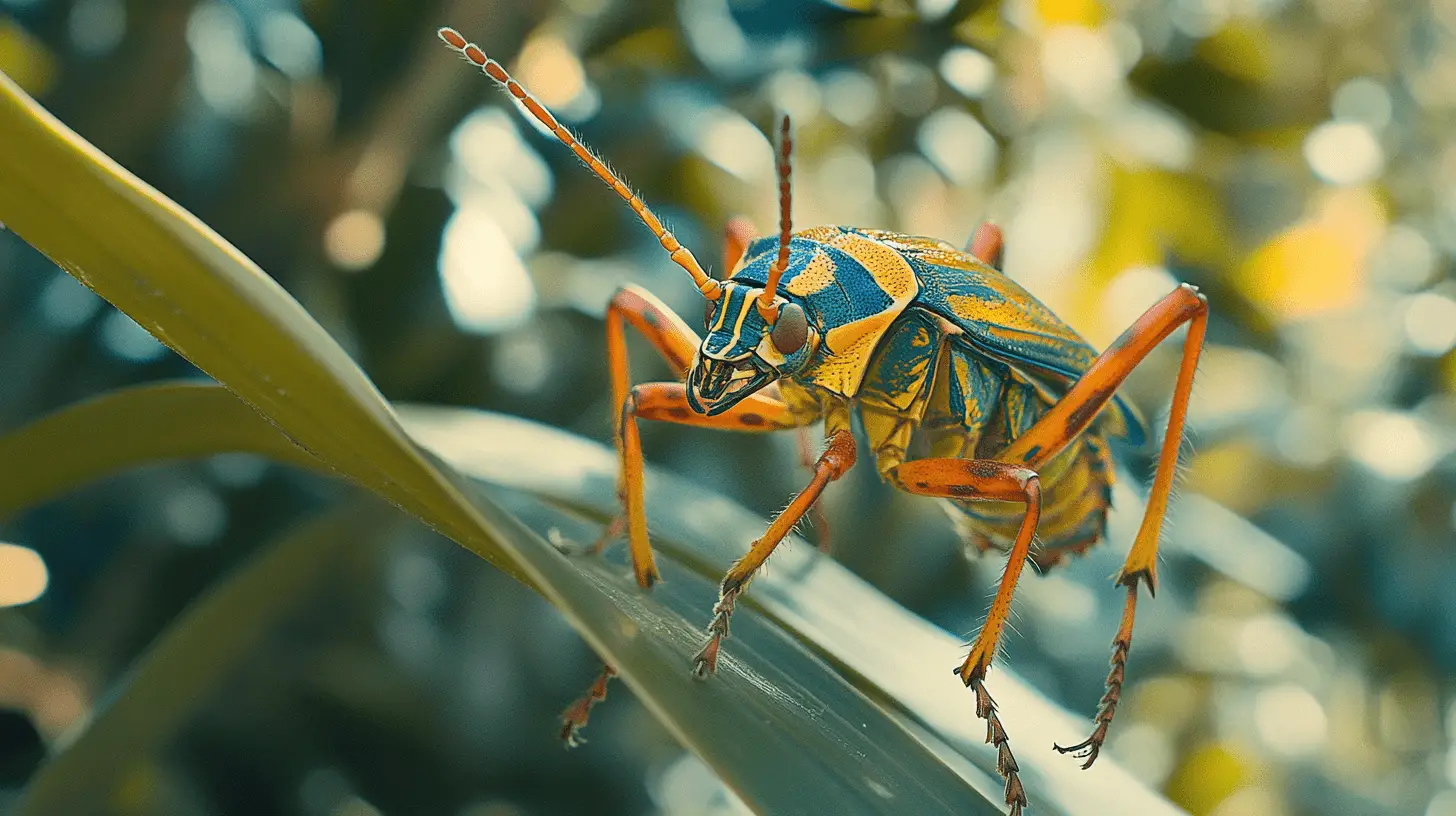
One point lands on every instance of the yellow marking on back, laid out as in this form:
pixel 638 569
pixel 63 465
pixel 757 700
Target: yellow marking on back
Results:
pixel 820 234
pixel 889 268
pixel 816 277
pixel 1007 319
pixel 852 346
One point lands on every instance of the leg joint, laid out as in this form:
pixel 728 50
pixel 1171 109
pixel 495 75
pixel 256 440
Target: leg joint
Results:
pixel 839 454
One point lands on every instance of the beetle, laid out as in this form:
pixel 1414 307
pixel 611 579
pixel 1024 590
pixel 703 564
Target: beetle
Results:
pixel 921 339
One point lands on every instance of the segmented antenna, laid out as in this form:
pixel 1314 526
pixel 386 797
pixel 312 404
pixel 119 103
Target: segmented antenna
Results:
pixel 766 305
pixel 681 255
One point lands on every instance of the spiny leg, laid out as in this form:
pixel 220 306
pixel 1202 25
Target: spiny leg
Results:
pixel 1107 708
pixel 985 480
pixel 576 715
pixel 837 459
pixel 667 402
pixel 1079 407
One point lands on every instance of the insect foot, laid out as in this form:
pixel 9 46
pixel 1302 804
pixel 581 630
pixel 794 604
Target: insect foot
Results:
pixel 616 528
pixel 576 715
pixel 705 662
pixel 1107 708
pixel 574 549
pixel 996 737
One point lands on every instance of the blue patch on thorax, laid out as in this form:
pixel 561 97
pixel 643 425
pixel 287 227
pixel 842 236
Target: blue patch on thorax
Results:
pixel 854 294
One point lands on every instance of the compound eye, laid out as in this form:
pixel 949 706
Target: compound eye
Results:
pixel 791 330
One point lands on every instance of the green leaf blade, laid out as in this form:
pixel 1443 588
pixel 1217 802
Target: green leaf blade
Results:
pixel 773 706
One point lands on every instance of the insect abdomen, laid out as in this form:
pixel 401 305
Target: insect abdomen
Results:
pixel 927 382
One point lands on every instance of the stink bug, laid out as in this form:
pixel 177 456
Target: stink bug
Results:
pixel 921 339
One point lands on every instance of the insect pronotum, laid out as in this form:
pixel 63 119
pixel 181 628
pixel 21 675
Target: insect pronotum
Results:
pixel 921 339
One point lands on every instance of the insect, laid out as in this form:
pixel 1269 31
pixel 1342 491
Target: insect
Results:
pixel 920 339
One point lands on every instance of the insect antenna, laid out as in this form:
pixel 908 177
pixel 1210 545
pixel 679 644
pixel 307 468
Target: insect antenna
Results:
pixel 680 254
pixel 766 305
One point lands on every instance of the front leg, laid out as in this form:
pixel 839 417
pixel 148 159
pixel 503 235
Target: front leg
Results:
pixel 676 342
pixel 837 459
pixel 667 402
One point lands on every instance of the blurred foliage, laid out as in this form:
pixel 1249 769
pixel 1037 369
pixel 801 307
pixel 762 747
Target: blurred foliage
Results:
pixel 1291 157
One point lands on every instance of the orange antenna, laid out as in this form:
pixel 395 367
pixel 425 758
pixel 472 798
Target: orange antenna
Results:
pixel 766 305
pixel 681 255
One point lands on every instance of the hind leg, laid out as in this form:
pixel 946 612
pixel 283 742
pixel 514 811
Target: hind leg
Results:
pixel 1075 412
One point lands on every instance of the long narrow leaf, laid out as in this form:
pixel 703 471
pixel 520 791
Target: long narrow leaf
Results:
pixel 131 427
pixel 773 705
pixel 894 655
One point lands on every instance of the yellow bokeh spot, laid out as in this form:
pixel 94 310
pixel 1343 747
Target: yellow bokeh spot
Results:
pixel 1209 776
pixel 1151 213
pixel 1070 12
pixel 23 575
pixel 1240 50
pixel 551 70
pixel 1234 473
pixel 1318 264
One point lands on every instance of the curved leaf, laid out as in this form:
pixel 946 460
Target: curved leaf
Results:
pixel 197 294
pixel 893 655
pixel 131 427
pixel 773 704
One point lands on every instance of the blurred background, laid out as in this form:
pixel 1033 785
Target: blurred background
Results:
pixel 1293 158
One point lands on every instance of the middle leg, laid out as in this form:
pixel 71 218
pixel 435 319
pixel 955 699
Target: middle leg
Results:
pixel 985 480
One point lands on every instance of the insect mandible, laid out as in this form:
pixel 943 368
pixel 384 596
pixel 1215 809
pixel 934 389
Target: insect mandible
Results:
pixel 921 339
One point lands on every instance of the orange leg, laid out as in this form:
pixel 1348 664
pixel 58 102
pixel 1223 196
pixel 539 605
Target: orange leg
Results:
pixel 677 343
pixel 837 459
pixel 820 521
pixel 575 717
pixel 987 245
pixel 1107 707
pixel 667 402
pixel 663 402
pixel 986 480
pixel 1076 411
